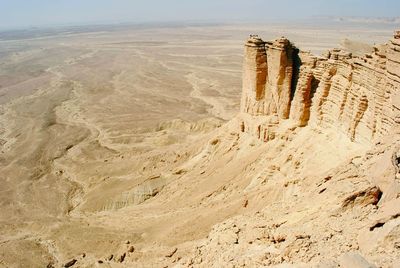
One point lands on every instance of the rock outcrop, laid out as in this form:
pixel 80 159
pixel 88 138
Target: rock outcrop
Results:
pixel 358 96
pixel 267 77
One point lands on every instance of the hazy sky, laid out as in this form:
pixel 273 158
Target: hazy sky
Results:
pixel 21 13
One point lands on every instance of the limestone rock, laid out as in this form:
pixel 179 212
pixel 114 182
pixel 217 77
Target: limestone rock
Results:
pixel 363 198
pixel 356 95
pixel 267 75
pixel 332 97
pixel 300 110
pixel 171 253
pixel 254 75
pixel 139 194
pixel 280 67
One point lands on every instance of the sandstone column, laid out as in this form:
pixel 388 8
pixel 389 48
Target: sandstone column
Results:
pixel 254 76
pixel 280 68
pixel 300 106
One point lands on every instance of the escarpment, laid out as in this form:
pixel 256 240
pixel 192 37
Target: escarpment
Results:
pixel 358 96
pixel 267 75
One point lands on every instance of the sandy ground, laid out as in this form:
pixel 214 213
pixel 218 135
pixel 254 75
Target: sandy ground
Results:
pixel 118 135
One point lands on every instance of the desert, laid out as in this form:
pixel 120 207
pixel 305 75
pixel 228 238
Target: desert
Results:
pixel 198 145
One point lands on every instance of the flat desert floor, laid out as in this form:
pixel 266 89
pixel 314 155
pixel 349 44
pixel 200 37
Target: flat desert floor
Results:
pixel 104 136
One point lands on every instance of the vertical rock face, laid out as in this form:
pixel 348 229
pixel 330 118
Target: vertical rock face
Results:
pixel 267 76
pixel 359 96
pixel 255 73
pixel 280 65
pixel 300 110
pixel 393 77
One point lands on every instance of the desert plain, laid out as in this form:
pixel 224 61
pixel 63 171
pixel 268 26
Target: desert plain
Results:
pixel 120 147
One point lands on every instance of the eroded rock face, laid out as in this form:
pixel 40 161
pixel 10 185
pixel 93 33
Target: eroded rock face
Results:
pixel 255 72
pixel 356 95
pixel 267 75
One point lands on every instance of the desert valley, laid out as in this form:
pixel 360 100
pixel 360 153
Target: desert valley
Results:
pixel 199 146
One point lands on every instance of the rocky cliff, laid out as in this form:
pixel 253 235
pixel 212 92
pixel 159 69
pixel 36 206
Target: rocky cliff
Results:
pixel 306 175
pixel 355 95
pixel 315 160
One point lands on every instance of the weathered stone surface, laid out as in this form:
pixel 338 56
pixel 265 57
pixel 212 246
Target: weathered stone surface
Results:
pixel 356 95
pixel 70 263
pixel 171 252
pixel 121 258
pixel 267 76
pixel 254 76
pixel 365 197
pixel 300 110
pixel 280 72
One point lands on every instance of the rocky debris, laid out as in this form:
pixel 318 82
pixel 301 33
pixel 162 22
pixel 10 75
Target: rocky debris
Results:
pixel 365 197
pixel 382 222
pixel 180 171
pixel 70 263
pixel 131 249
pixel 110 257
pixel 302 236
pixel 304 228
pixel 382 231
pixel 121 258
pixel 389 211
pixel 278 239
pixel 171 253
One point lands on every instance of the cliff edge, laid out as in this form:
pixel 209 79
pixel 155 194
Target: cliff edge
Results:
pixel 355 95
pixel 316 161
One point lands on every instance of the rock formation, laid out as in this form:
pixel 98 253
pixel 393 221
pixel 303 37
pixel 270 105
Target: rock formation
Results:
pixel 319 141
pixel 356 95
pixel 306 175
pixel 267 75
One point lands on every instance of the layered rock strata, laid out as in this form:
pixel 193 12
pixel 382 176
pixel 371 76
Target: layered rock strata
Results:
pixel 359 96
